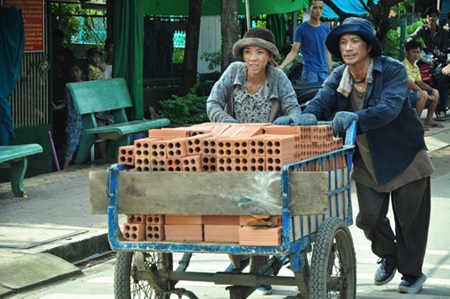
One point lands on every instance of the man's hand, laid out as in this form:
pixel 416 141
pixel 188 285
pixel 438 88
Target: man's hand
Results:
pixel 229 120
pixel 342 120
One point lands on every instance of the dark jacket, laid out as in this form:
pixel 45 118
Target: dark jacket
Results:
pixel 394 132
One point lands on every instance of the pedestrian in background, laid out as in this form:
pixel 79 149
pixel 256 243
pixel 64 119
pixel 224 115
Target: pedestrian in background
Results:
pixel 421 96
pixel 391 161
pixel 309 38
pixel 435 38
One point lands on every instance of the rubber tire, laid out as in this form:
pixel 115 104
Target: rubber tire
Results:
pixel 333 233
pixel 126 287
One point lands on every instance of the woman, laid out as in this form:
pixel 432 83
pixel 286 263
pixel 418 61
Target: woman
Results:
pixel 254 91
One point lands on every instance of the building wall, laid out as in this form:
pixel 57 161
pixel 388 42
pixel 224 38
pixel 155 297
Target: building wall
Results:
pixel 210 41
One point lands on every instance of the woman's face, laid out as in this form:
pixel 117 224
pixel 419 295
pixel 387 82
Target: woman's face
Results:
pixel 256 58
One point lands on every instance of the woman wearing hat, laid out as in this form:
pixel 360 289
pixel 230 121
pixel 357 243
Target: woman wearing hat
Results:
pixel 390 162
pixel 254 91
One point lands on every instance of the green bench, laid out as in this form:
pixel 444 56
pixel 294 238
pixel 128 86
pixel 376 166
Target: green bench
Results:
pixel 106 95
pixel 16 156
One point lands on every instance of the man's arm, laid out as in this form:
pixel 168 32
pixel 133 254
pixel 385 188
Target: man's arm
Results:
pixel 291 56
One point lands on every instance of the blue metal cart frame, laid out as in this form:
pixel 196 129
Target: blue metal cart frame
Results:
pixel 298 235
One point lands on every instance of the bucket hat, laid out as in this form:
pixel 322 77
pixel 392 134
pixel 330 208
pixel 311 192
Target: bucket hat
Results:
pixel 353 25
pixel 254 41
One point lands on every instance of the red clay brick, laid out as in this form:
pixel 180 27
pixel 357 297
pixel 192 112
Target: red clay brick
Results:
pixel 154 219
pixel 174 164
pixel 183 232
pixel 192 163
pixel 136 219
pixel 154 232
pixel 126 155
pixel 208 163
pixel 257 163
pixel 221 219
pixel 183 219
pixel 134 232
pixel 250 236
pixel 176 148
pixel 221 233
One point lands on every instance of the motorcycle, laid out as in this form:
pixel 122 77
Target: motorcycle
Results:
pixel 427 64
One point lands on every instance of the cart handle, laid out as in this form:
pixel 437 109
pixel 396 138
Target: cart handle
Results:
pixel 350 135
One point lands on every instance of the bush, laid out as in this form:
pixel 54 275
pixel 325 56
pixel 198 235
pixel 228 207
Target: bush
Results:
pixel 188 109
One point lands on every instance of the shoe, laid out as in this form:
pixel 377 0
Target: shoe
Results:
pixel 411 284
pixel 440 116
pixel 264 290
pixel 385 272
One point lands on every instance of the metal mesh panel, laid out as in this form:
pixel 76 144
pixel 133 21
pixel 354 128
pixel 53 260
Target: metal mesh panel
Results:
pixel 29 101
pixel 164 41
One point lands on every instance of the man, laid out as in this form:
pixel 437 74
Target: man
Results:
pixel 422 95
pixel 436 40
pixel 309 38
pixel 390 161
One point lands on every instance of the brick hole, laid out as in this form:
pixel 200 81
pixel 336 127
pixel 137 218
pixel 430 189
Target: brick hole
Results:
pixel 244 168
pixel 149 219
pixel 127 227
pixel 189 142
pixel 229 168
pixel 206 151
pixel 149 236
pixel 228 152
pixel 138 168
pixel 146 169
pixel 197 141
pixel 269 151
pixel 138 152
pixel 228 144
pixel 133 236
pixel 237 168
pixel 178 152
pixel 212 143
pixel 213 151
pixel 277 151
pixel 237 152
pixel 154 154
pixel 205 168
pixel 138 219
pixel 122 159
pixel 170 153
pixel 154 146
pixel 170 145
pixel 138 145
pixel 127 235
pixel 277 144
pixel 221 168
pixel 178 145
pixel 197 149
pixel 191 151
pixel 244 152
pixel 194 168
pixel 161 154
pixel 270 143
pixel 161 162
pixel 213 168
pixel 123 152
pixel 186 162
pixel 156 236
pixel 145 145
pixel 145 153
pixel 161 146
pixel 130 160
pixel 221 152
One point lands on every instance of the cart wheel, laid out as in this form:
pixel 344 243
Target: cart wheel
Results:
pixel 128 284
pixel 333 262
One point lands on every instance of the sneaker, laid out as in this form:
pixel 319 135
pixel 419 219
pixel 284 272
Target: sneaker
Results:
pixel 385 272
pixel 264 290
pixel 411 284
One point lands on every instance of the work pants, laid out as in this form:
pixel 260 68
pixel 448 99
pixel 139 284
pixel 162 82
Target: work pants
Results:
pixel 411 209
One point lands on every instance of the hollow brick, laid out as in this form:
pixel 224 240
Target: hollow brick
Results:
pixel 192 163
pixel 136 219
pixel 154 232
pixel 154 219
pixel 126 155
pixel 133 231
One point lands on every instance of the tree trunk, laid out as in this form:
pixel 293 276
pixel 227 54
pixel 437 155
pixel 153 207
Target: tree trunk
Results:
pixel 229 30
pixel 192 40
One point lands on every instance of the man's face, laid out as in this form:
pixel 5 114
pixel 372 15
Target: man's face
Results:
pixel 353 49
pixel 316 9
pixel 432 19
pixel 413 54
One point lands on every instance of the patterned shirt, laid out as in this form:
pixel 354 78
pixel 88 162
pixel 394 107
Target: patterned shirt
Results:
pixel 252 108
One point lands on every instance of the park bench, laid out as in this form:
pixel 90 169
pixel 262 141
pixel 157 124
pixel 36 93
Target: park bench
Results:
pixel 16 156
pixel 106 95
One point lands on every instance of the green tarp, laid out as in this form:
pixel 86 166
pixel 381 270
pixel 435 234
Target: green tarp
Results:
pixel 128 56
pixel 212 7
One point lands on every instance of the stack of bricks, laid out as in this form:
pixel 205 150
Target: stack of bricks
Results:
pixel 242 230
pixel 212 147
pixel 228 147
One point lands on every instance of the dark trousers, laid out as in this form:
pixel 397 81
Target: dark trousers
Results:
pixel 440 81
pixel 411 208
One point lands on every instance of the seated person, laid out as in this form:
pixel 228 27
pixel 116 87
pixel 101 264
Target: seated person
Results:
pixel 422 95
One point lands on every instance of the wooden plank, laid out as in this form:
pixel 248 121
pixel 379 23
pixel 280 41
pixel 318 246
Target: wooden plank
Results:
pixel 220 193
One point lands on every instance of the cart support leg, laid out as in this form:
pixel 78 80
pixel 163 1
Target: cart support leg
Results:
pixel 271 268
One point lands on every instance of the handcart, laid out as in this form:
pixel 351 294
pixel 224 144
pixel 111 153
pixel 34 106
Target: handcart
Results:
pixel 317 246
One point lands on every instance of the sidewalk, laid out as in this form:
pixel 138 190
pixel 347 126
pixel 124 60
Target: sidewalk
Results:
pixel 43 235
